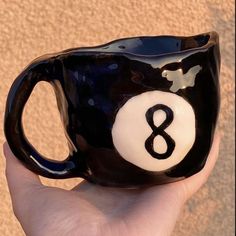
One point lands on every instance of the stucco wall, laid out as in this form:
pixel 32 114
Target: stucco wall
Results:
pixel 31 28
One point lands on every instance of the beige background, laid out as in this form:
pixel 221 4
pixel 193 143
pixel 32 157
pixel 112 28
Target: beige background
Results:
pixel 31 28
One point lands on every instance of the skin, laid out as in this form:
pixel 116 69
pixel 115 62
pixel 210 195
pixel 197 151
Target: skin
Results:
pixel 90 210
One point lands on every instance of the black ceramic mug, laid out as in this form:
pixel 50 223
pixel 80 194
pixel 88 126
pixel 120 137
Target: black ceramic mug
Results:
pixel 136 111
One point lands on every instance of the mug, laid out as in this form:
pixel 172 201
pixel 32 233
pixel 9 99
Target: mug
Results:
pixel 136 111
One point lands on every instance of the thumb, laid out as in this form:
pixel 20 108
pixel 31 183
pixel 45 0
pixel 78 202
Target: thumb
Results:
pixel 21 181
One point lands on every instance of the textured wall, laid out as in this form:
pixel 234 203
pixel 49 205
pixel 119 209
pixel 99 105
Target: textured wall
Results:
pixel 31 28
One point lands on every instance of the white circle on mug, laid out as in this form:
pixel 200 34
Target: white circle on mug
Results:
pixel 151 125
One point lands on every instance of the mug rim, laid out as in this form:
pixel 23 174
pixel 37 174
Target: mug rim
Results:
pixel 213 39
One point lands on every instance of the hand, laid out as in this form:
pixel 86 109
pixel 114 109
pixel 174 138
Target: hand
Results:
pixel 90 210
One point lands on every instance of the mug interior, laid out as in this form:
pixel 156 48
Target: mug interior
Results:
pixel 152 45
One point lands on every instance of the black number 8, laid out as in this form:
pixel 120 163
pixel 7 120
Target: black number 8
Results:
pixel 160 130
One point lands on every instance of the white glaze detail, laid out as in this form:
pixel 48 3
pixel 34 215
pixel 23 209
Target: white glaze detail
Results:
pixel 180 80
pixel 130 130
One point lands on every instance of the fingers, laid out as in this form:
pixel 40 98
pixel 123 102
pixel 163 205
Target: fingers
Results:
pixel 21 181
pixel 193 183
pixel 211 160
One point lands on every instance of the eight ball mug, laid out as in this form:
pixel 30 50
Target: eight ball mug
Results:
pixel 136 111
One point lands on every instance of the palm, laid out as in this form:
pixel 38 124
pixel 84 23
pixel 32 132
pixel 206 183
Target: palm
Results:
pixel 90 209
pixel 93 210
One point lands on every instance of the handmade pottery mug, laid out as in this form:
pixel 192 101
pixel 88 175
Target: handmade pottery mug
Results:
pixel 136 111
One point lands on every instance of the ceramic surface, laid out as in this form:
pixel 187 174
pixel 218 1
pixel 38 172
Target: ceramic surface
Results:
pixel 136 111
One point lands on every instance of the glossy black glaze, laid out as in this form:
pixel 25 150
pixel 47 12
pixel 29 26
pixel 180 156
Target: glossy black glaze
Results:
pixel 91 84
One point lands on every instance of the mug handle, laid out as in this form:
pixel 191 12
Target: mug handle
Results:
pixel 19 144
